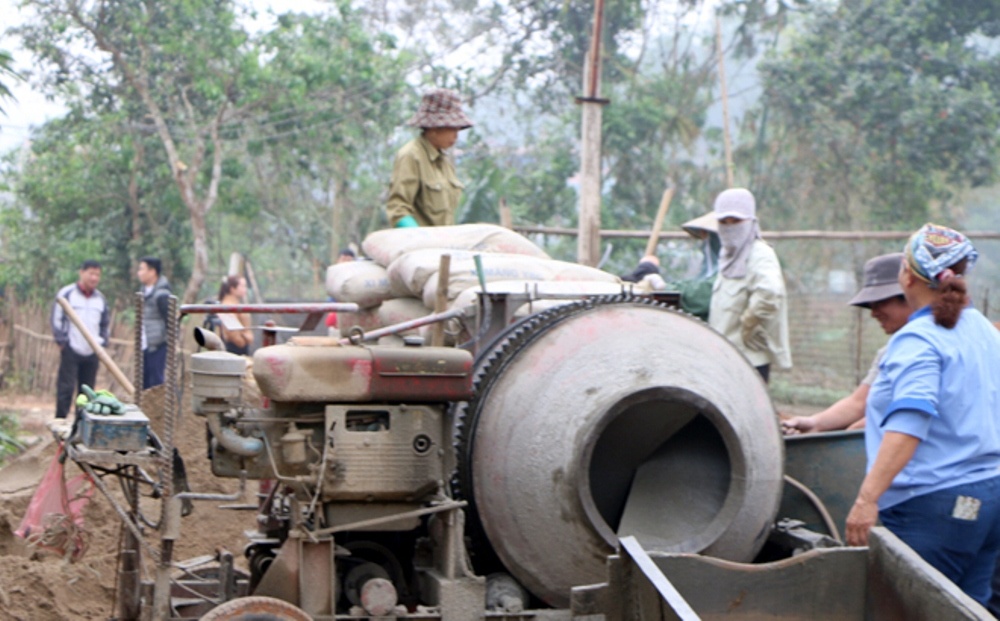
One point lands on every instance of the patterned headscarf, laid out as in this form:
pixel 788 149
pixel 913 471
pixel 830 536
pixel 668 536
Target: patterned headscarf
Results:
pixel 932 250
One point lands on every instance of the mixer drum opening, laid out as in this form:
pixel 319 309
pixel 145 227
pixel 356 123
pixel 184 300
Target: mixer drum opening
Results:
pixel 660 470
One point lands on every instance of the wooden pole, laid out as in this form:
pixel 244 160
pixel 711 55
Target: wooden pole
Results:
pixel 661 214
pixel 253 282
pixel 727 143
pixel 101 354
pixel 506 219
pixel 589 239
pixel 441 299
pixel 236 264
pixel 334 223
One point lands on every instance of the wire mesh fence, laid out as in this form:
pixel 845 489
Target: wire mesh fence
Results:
pixel 833 344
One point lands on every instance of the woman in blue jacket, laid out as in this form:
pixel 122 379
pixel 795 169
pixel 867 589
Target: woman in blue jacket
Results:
pixel 932 431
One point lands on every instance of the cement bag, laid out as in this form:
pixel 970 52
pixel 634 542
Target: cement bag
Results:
pixel 410 271
pixel 364 283
pixel 367 319
pixel 399 310
pixel 468 297
pixel 504 267
pixel 387 245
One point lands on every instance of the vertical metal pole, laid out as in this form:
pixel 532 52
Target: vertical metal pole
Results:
pixel 129 603
pixel 137 364
pixel 170 507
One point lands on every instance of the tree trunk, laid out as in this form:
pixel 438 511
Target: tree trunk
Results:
pixel 200 235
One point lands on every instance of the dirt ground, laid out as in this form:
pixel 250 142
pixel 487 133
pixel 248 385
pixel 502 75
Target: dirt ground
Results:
pixel 41 587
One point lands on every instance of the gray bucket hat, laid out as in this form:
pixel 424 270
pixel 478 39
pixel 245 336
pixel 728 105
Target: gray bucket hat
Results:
pixel 881 280
pixel 440 107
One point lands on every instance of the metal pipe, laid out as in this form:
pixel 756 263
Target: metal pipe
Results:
pixel 202 496
pixel 288 309
pixel 404 326
pixel 447 506
pixel 234 442
pixel 208 339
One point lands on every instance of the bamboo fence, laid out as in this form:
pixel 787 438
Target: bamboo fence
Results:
pixel 29 356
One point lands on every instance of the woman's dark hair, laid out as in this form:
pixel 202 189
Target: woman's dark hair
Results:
pixel 952 297
pixel 228 284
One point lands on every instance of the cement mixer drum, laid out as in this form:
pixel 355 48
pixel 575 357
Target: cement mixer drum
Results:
pixel 614 417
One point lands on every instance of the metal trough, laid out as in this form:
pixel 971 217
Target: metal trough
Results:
pixel 885 582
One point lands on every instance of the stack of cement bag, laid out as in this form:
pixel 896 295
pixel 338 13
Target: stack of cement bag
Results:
pixel 400 281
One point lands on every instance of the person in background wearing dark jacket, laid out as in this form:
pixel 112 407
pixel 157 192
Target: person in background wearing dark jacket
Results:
pixel 77 361
pixel 156 304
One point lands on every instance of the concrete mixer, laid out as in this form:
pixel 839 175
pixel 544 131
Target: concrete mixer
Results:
pixel 609 417
pixel 494 480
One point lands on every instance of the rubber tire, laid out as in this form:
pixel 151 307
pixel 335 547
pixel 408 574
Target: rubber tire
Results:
pixel 256 608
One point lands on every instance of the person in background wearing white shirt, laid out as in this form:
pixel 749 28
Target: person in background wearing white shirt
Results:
pixel 78 362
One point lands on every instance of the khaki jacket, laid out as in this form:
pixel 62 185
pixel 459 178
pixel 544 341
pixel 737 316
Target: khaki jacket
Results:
pixel 755 306
pixel 424 185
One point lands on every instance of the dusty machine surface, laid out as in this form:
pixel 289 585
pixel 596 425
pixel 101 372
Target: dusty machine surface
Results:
pixel 492 480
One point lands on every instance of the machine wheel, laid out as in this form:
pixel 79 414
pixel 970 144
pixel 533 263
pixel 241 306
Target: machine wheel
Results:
pixel 256 608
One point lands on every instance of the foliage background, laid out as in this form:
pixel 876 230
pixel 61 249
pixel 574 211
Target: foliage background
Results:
pixel 859 115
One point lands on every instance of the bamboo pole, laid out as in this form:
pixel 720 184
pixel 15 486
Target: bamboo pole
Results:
pixel 441 299
pixel 808 234
pixel 661 214
pixel 98 349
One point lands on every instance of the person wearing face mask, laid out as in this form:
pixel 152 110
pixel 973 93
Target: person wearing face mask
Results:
pixel 749 305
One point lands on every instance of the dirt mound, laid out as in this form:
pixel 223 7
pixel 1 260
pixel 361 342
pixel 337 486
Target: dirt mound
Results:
pixel 36 586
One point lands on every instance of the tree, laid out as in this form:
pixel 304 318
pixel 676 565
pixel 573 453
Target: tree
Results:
pixel 185 65
pixel 325 140
pixel 885 108
pixel 7 72
pixel 86 182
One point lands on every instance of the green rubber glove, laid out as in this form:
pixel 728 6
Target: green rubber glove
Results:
pixel 101 402
pixel 407 222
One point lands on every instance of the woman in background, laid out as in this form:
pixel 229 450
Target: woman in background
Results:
pixel 234 291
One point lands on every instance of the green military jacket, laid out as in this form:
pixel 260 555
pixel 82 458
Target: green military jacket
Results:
pixel 424 185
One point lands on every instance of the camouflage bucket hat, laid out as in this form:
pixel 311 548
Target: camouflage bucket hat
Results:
pixel 440 107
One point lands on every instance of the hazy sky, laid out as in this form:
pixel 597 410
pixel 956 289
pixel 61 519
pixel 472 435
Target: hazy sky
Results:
pixel 31 107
